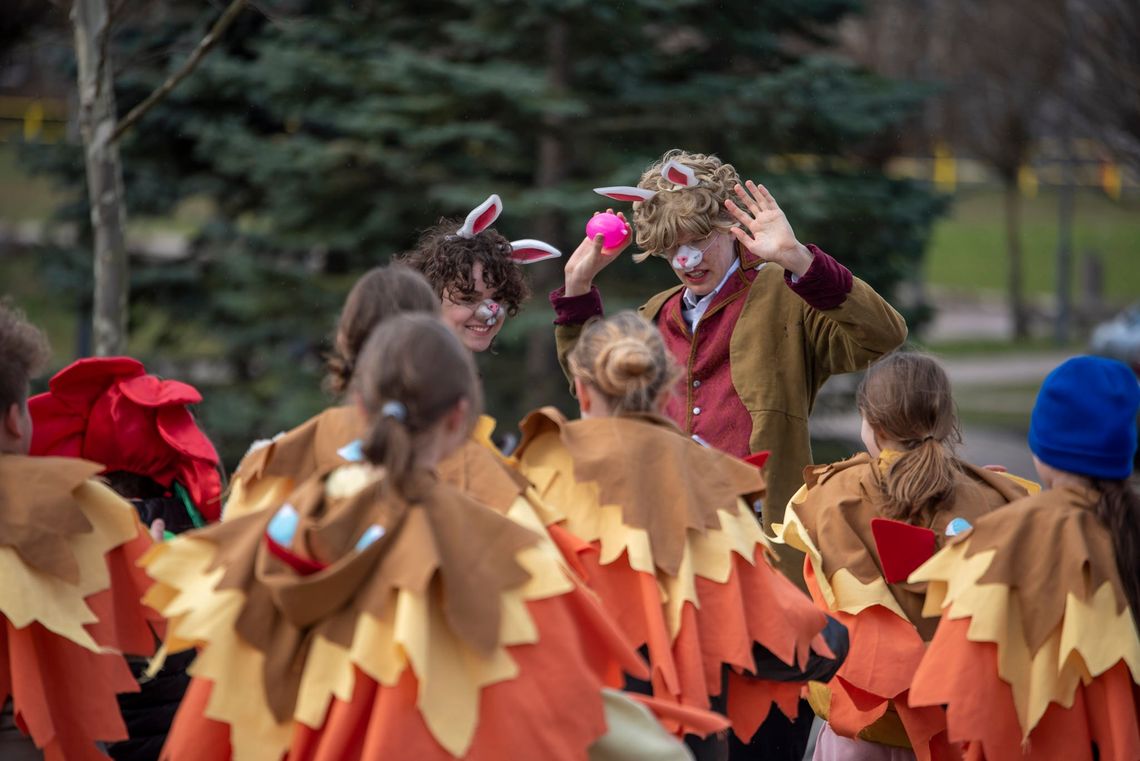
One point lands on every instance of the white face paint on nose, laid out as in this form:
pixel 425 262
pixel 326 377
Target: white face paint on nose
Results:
pixel 687 258
pixel 489 312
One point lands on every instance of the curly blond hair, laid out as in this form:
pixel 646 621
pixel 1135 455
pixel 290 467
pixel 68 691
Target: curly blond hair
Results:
pixel 625 359
pixel 674 212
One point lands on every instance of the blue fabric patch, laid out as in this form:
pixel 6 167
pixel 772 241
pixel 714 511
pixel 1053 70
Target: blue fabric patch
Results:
pixel 353 451
pixel 371 535
pixel 957 526
pixel 283 527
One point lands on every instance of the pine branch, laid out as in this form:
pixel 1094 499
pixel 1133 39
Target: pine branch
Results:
pixel 204 45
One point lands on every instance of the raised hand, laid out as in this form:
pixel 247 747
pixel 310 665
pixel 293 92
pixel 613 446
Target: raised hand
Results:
pixel 589 259
pixel 764 230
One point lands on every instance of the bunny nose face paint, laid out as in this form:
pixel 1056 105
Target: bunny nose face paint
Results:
pixel 701 265
pixel 687 258
pixel 489 312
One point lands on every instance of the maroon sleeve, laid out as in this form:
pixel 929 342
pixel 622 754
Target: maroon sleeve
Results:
pixel 826 283
pixel 575 310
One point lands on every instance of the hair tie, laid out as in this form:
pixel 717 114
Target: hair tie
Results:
pixel 395 410
pixel 928 437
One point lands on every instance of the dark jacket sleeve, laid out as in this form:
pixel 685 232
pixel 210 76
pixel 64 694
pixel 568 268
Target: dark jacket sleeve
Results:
pixel 571 313
pixel 817 669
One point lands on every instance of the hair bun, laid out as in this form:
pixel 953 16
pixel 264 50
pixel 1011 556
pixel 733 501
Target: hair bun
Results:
pixel 625 365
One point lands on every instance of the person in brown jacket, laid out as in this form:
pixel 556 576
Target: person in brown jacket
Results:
pixel 759 320
pixel 758 323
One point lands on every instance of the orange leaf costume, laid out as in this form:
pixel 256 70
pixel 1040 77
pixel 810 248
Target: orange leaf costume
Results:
pixel 1036 655
pixel 457 633
pixel 69 604
pixel 830 520
pixel 677 556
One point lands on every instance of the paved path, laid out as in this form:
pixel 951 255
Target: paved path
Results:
pixel 982 445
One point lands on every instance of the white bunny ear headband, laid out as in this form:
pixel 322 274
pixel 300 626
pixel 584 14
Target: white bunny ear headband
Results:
pixel 526 251
pixel 674 171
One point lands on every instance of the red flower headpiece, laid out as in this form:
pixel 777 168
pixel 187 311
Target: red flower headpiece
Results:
pixel 110 411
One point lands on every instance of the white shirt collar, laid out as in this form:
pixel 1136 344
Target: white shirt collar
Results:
pixel 693 307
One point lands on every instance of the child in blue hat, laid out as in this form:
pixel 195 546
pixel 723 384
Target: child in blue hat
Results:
pixel 1037 653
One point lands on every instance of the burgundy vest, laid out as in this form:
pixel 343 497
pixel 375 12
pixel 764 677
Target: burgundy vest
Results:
pixel 706 403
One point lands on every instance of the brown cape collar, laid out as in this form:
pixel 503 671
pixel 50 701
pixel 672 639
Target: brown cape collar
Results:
pixel 1047 547
pixel 844 497
pixel 38 511
pixel 310 448
pixel 441 544
pixel 664 482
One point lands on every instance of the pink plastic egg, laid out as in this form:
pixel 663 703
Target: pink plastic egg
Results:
pixel 610 226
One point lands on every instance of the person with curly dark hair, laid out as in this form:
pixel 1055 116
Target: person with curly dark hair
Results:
pixel 476 272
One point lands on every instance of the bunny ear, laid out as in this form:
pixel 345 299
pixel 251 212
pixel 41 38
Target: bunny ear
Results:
pixel 481 217
pixel 626 193
pixel 529 251
pixel 679 174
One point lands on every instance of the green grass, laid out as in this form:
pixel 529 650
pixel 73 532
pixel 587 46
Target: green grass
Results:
pixel 29 198
pixel 23 197
pixel 1004 406
pixel 972 347
pixel 968 250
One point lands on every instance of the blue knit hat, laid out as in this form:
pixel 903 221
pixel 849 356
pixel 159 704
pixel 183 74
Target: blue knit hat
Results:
pixel 1084 420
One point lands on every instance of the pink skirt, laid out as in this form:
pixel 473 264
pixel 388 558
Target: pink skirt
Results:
pixel 832 747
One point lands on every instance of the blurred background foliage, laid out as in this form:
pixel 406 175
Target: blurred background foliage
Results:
pixel 318 138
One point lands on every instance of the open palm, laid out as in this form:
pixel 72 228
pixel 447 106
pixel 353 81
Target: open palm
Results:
pixel 764 230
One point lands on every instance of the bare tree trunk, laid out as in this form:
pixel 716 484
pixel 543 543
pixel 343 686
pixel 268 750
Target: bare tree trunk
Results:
pixel 1065 203
pixel 1013 248
pixel 1065 198
pixel 97 120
